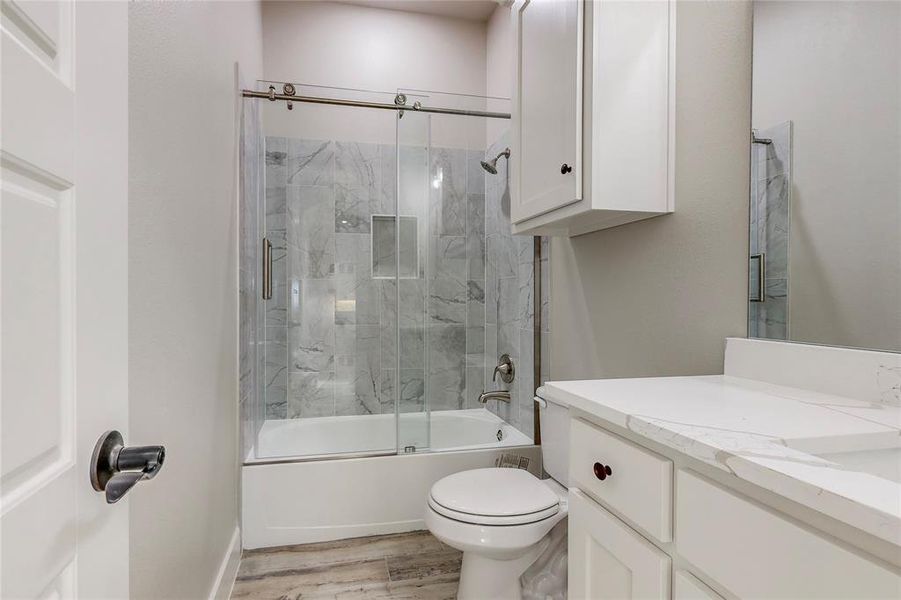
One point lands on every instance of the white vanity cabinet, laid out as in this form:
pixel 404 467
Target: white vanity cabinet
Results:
pixel 720 543
pixel 592 124
pixel 607 559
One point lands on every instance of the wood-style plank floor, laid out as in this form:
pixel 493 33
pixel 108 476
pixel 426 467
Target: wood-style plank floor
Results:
pixel 408 566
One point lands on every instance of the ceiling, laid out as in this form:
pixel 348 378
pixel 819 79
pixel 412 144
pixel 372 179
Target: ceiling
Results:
pixel 471 10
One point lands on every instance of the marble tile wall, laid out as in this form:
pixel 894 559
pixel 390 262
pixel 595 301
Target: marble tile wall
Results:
pixel 769 230
pixel 332 328
pixel 509 300
pixel 252 158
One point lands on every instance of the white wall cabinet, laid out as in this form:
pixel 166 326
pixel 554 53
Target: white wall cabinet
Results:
pixel 548 113
pixel 734 545
pixel 592 114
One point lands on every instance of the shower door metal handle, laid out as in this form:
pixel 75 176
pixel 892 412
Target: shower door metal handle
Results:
pixel 760 296
pixel 267 269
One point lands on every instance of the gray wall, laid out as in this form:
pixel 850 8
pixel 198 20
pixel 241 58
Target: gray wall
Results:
pixel 657 297
pixel 183 308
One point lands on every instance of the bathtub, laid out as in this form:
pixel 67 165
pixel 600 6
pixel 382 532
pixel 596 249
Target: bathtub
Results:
pixel 332 437
pixel 308 483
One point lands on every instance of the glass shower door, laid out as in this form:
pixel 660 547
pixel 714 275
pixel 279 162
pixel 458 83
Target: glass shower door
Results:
pixel 442 294
pixel 376 338
pixel 330 324
pixel 411 254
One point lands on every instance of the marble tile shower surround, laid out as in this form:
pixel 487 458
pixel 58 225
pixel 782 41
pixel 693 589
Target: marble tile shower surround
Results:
pixel 509 300
pixel 769 229
pixel 330 330
pixel 330 345
pixel 250 307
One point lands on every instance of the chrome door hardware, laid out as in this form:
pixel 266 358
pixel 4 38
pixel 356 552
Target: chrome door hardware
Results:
pixel 288 90
pixel 759 293
pixel 116 469
pixel 399 105
pixel 267 269
pixel 505 368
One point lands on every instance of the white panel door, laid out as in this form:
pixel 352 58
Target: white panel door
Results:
pixel 63 294
pixel 547 106
pixel 608 559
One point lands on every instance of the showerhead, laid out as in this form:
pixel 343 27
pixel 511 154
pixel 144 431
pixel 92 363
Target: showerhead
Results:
pixel 491 165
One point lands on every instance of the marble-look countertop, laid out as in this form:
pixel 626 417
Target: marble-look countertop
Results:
pixel 796 443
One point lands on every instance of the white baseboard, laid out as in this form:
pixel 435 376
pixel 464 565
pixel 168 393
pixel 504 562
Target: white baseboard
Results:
pixel 228 569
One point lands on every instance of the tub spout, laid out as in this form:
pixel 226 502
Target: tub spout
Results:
pixel 500 395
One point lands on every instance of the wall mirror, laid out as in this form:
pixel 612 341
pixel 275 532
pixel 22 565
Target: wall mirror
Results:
pixel 825 189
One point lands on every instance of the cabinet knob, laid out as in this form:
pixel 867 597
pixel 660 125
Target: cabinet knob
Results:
pixel 565 168
pixel 602 472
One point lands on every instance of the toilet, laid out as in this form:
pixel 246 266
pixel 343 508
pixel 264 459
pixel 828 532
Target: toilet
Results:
pixel 500 518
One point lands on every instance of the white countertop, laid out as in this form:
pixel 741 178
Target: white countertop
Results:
pixel 786 440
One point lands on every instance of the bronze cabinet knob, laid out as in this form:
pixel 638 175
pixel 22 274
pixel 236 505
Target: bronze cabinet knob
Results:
pixel 602 471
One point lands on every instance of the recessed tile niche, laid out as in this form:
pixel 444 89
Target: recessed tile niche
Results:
pixel 384 263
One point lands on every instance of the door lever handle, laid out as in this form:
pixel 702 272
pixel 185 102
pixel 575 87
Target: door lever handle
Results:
pixel 116 468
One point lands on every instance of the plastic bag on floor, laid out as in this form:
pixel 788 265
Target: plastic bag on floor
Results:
pixel 545 579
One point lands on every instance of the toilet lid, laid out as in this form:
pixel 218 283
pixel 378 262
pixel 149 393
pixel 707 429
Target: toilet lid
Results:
pixel 494 496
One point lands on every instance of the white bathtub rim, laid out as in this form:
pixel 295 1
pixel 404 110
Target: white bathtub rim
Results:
pixel 280 460
pixel 518 439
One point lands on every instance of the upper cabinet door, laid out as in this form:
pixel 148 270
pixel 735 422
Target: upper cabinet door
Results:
pixel 547 106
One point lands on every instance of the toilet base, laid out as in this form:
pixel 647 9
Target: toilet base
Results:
pixel 482 577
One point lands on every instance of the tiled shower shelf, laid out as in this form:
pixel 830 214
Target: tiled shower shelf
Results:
pixel 384 262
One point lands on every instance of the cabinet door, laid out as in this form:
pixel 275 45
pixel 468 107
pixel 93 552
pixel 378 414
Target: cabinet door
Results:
pixel 687 587
pixel 547 106
pixel 607 559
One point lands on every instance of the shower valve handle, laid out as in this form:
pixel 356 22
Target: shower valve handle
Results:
pixel 505 368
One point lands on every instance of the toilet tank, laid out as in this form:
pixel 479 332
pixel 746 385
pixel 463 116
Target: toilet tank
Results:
pixel 554 419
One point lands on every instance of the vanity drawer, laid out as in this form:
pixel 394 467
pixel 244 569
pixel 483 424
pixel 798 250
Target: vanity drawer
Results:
pixel 632 480
pixel 755 553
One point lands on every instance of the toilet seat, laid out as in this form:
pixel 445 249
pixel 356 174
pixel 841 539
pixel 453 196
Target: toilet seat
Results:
pixel 494 496
pixel 492 520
